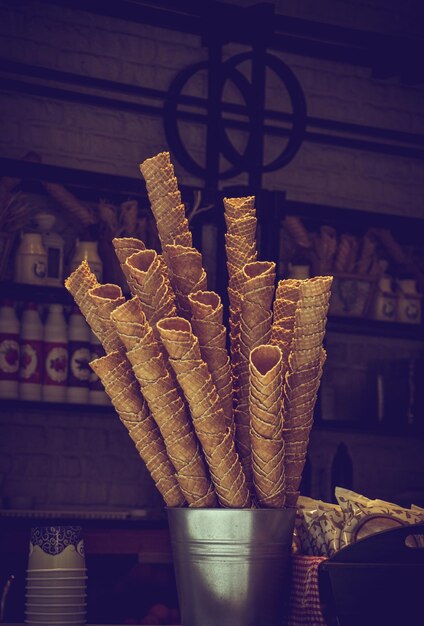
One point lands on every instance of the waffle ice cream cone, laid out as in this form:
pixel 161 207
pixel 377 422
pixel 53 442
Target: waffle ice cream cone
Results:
pixel 255 330
pixel 186 274
pixel 96 302
pixel 172 223
pixel 316 286
pixel 208 417
pixel 267 444
pixel 268 470
pixel 115 372
pixel 308 342
pixel 124 248
pixel 165 199
pixel 240 247
pixel 284 310
pixel 244 227
pixel 236 208
pixel 207 324
pixel 157 162
pixel 159 179
pixel 78 283
pixel 298 407
pixel 150 282
pixel 304 367
pixel 239 251
pixel 164 183
pixel 102 300
pixel 165 401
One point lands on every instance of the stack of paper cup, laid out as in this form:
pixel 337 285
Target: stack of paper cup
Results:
pixel 56 577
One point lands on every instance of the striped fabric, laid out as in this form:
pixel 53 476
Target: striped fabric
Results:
pixel 305 605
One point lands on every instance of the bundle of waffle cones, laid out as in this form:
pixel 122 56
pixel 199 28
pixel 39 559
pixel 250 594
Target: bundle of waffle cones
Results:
pixel 220 417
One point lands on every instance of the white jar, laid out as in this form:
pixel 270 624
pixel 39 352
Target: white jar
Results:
pixel 79 335
pixel 31 260
pixel 87 250
pixel 9 350
pixel 97 393
pixel 31 353
pixel 55 370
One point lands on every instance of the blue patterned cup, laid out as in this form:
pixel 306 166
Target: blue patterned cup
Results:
pixel 59 548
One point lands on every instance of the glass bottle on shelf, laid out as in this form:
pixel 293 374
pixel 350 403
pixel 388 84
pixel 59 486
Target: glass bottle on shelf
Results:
pixel 9 350
pixel 31 353
pixel 55 370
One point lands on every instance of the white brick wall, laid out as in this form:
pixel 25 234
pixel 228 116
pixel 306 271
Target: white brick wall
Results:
pixel 388 468
pixel 63 460
pixel 114 142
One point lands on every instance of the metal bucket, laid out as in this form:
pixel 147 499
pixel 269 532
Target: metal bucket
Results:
pixel 232 566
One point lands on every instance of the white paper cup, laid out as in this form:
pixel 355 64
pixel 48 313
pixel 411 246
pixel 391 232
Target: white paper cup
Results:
pixel 49 591
pixel 55 617
pixel 53 547
pixel 65 609
pixel 52 600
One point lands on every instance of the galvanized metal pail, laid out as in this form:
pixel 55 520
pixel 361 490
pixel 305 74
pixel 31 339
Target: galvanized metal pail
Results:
pixel 232 566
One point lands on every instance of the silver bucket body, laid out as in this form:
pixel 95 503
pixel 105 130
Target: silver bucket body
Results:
pixel 232 566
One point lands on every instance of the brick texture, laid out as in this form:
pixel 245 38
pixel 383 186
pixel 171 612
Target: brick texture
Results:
pixel 115 141
pixel 63 460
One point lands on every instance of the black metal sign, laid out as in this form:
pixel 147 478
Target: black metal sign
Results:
pixel 252 88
